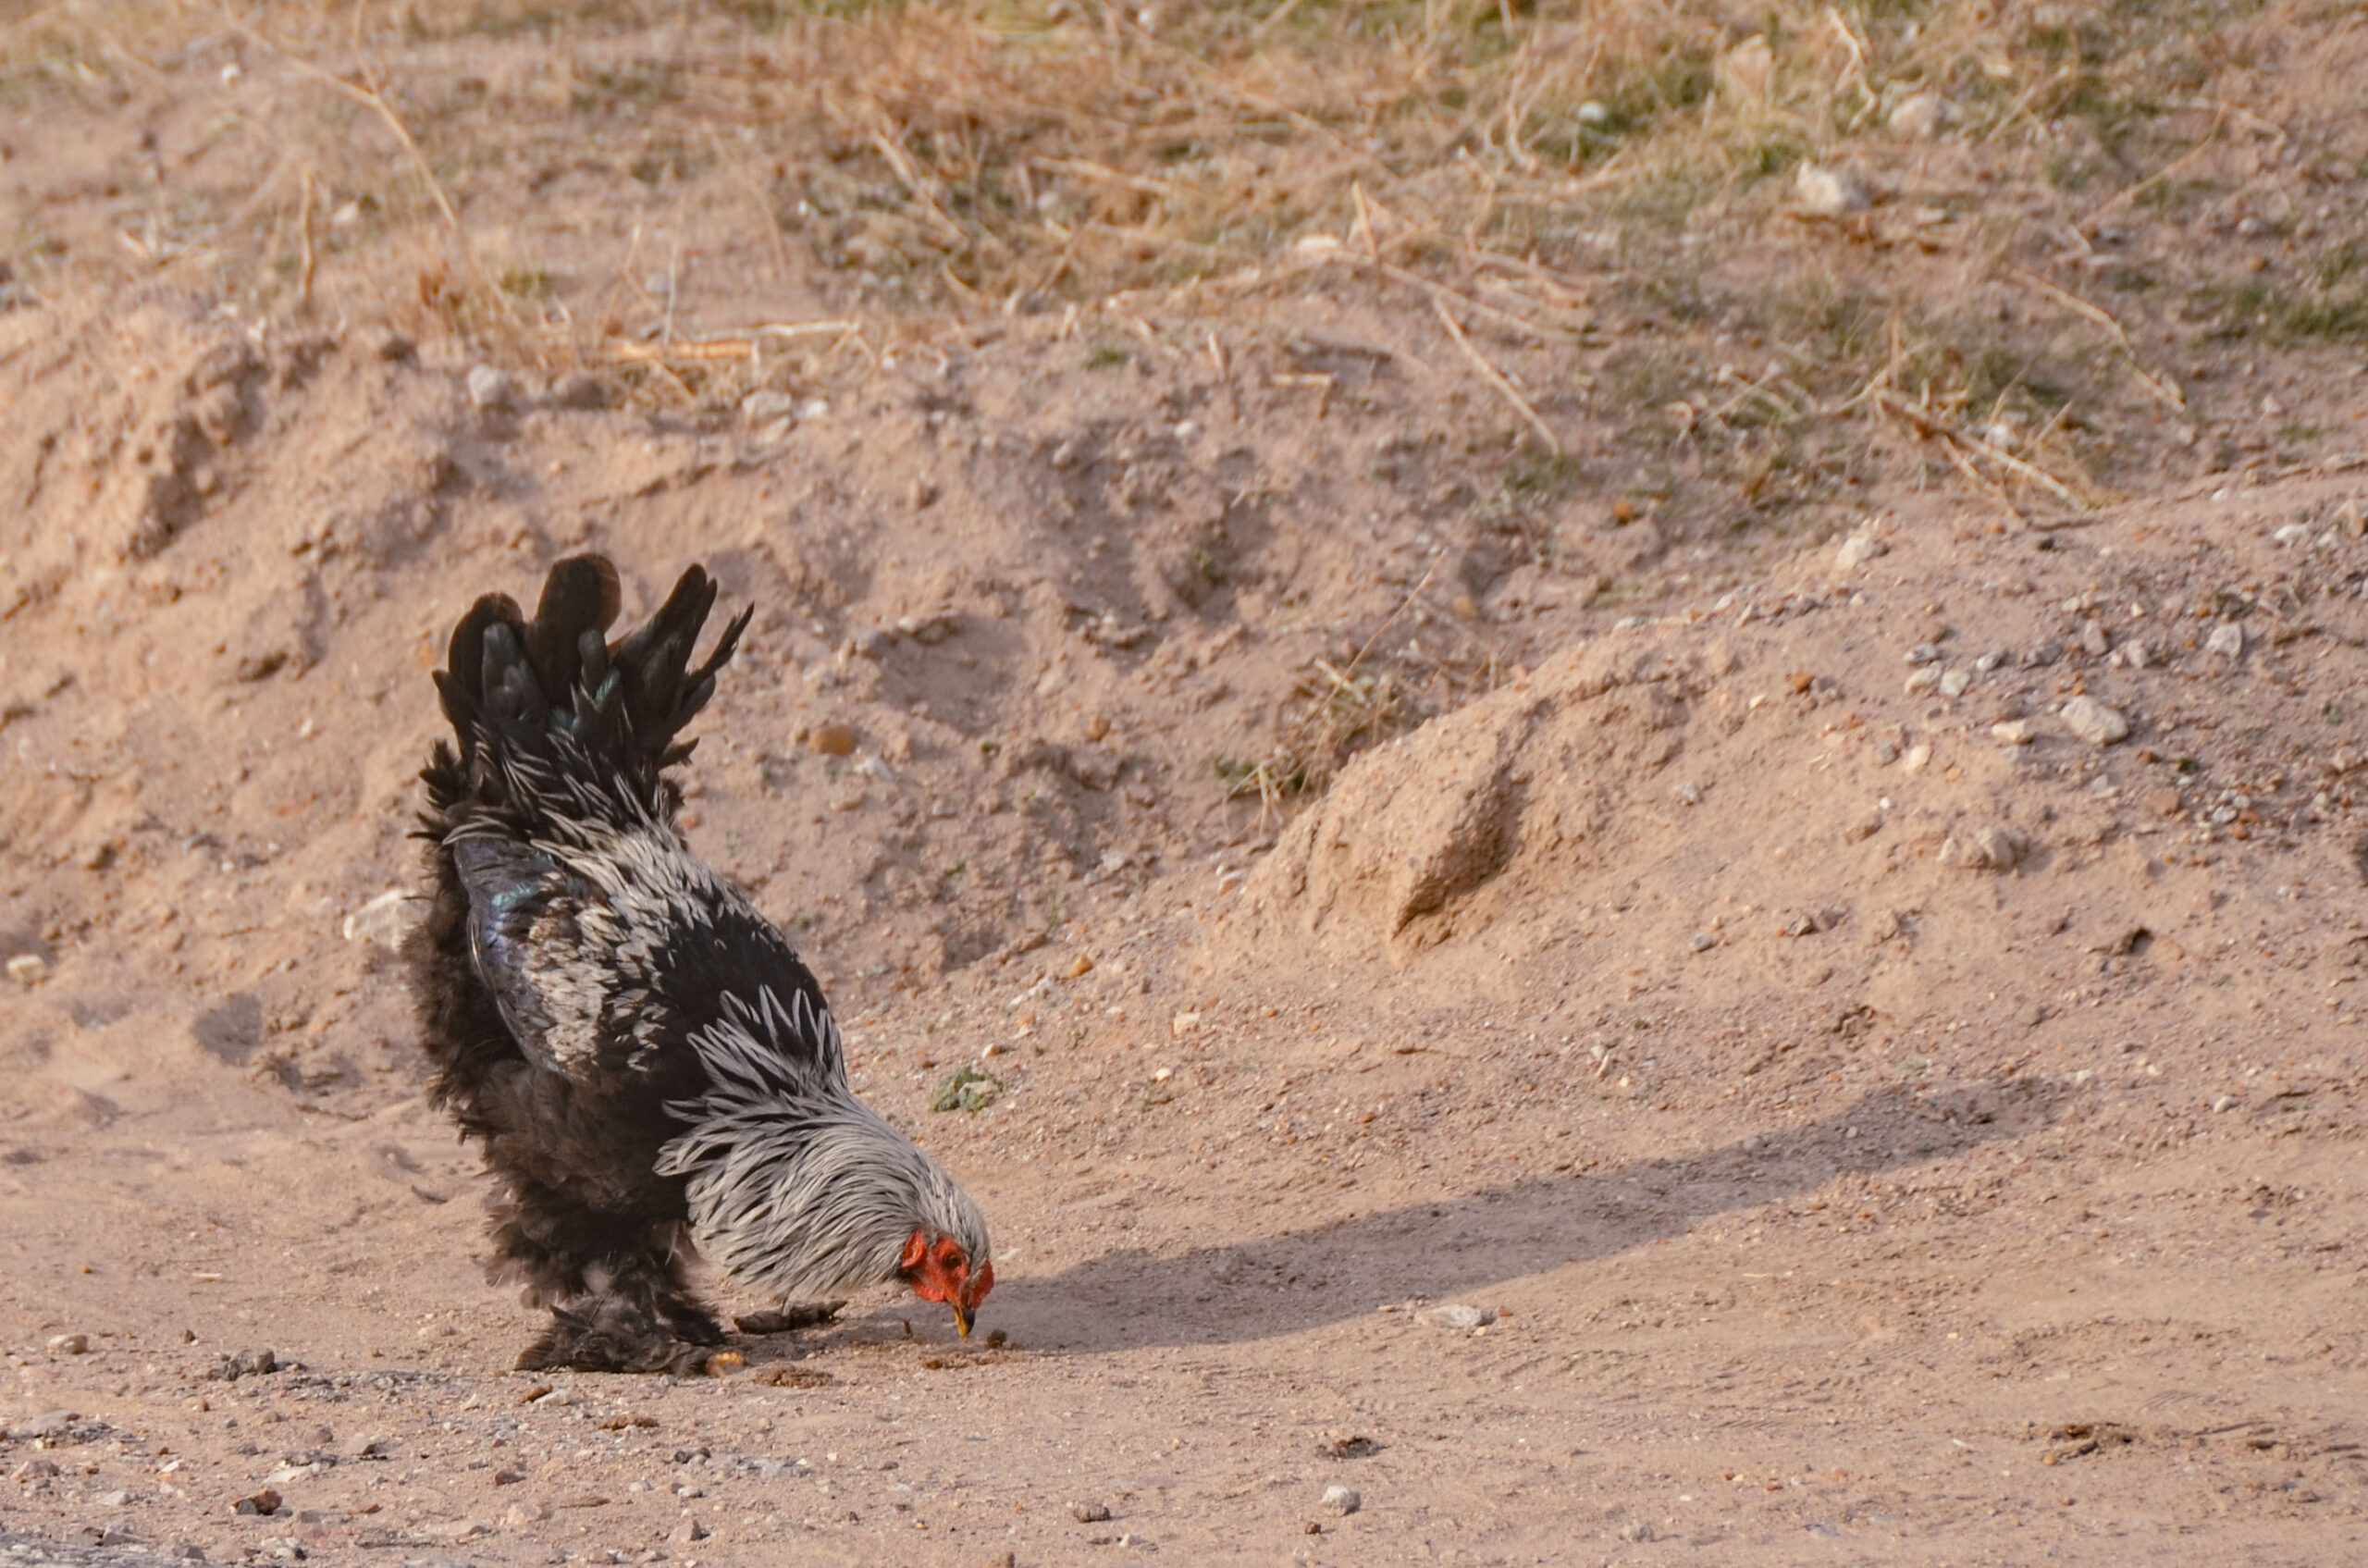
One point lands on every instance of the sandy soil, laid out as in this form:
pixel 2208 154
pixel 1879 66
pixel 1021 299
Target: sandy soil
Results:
pixel 1871 1119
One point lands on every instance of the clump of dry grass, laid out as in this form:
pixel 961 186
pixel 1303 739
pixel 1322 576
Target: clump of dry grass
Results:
pixel 1335 713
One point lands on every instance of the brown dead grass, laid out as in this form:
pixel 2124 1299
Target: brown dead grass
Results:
pixel 954 163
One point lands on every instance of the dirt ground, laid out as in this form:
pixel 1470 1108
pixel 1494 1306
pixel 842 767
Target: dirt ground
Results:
pixel 1833 935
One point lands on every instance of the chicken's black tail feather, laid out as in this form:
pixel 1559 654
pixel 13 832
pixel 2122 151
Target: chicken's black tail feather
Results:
pixel 552 703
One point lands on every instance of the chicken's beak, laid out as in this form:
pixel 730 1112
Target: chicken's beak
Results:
pixel 961 1318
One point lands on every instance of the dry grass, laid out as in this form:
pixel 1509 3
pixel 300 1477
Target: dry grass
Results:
pixel 1539 173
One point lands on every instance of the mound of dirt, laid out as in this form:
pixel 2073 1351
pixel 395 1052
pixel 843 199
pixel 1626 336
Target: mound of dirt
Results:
pixel 2134 739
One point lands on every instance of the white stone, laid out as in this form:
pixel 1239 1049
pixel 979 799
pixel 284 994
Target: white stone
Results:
pixel 490 388
pixel 1983 849
pixel 1342 1499
pixel 27 968
pixel 2228 639
pixel 2012 732
pixel 1856 550
pixel 2093 721
pixel 1922 116
pixel 1954 682
pixel 1828 193
pixel 764 407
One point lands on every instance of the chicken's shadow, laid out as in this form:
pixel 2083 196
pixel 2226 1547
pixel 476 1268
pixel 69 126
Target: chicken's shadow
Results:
pixel 1457 1248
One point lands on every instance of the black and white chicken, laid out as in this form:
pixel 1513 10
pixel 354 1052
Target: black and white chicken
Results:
pixel 643 1057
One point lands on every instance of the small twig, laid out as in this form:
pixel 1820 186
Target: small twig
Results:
pixel 1366 223
pixel 2268 127
pixel 304 239
pixel 2169 170
pixel 2072 303
pixel 2167 392
pixel 901 164
pixel 674 284
pixel 1927 423
pixel 1274 19
pixel 1389 620
pixel 1982 482
pixel 1086 169
pixel 1495 378
pixel 725 349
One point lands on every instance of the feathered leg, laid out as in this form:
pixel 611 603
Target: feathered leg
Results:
pixel 613 1285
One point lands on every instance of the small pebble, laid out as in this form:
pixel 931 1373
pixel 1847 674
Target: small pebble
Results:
pixel 2228 639
pixel 1342 1499
pixel 764 407
pixel 1983 849
pixel 832 740
pixel 2012 732
pixel 1924 653
pixel 2094 722
pixel 490 389
pixel 1828 193
pixel 69 1344
pixel 1954 682
pixel 1089 1513
pixel 1702 942
pixel 2093 639
pixel 1922 116
pixel 1856 550
pixel 27 968
pixel 1921 681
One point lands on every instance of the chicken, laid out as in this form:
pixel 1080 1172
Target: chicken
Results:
pixel 646 1062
